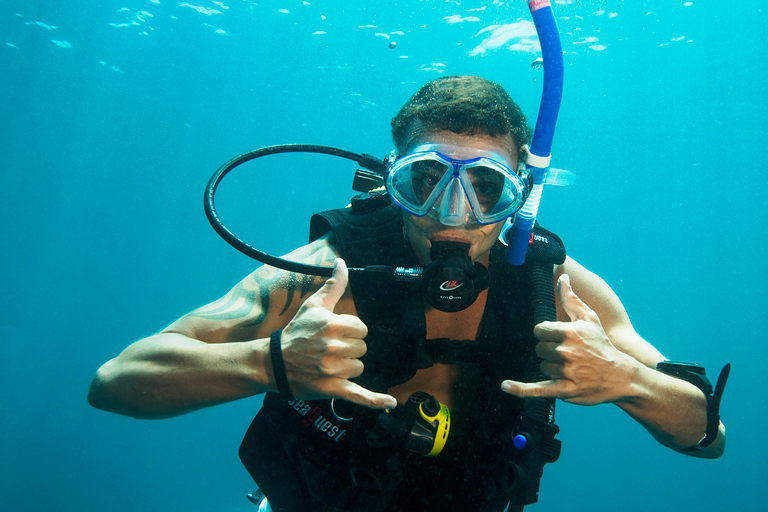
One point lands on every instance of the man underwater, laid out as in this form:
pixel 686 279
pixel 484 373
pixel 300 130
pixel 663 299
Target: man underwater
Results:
pixel 332 355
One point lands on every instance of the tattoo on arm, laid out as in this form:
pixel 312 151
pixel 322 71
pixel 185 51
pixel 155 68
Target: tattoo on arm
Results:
pixel 291 288
pixel 241 301
pixel 233 305
pixel 307 281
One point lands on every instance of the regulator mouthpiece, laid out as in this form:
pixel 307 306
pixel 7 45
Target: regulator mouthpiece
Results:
pixel 452 282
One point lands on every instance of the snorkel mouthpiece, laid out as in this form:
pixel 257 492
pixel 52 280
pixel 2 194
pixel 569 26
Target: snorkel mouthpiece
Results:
pixel 451 282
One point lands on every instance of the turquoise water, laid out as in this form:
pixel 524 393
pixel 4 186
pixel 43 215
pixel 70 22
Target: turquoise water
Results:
pixel 113 115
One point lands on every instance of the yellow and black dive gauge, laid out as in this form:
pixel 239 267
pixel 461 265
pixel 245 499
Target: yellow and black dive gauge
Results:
pixel 421 425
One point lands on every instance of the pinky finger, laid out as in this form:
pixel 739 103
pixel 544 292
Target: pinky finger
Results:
pixel 546 388
pixel 357 394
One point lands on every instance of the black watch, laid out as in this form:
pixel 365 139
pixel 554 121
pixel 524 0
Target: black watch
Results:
pixel 697 376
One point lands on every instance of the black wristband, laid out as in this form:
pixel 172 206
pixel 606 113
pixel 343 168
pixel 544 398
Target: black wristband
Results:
pixel 696 375
pixel 278 365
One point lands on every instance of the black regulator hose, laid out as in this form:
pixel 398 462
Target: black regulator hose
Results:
pixel 369 162
pixel 453 283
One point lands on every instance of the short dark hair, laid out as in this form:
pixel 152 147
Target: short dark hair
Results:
pixel 467 105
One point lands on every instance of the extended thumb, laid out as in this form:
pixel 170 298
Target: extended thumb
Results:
pixel 574 307
pixel 334 288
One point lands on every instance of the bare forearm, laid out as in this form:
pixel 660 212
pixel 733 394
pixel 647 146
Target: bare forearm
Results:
pixel 672 410
pixel 170 374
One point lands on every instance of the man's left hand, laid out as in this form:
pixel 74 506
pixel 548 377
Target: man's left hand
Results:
pixel 583 365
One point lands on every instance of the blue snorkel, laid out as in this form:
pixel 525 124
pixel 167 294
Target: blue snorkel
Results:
pixel 534 438
pixel 537 162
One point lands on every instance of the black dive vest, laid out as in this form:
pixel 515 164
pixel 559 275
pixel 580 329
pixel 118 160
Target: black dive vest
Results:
pixel 313 455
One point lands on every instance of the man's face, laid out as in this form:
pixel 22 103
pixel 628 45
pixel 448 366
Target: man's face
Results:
pixel 422 231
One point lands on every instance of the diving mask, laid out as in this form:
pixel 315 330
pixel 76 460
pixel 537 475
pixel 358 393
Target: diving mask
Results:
pixel 457 185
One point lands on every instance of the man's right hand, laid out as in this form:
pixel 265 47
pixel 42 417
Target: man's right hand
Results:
pixel 322 350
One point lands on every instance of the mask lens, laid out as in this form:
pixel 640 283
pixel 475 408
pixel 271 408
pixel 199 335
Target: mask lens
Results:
pixel 488 185
pixel 425 176
pixel 415 181
pixel 424 179
pixel 495 192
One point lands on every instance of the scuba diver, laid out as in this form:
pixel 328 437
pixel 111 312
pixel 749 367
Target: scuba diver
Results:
pixel 382 396
pixel 411 354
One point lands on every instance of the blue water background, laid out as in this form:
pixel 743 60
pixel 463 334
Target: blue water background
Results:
pixel 112 120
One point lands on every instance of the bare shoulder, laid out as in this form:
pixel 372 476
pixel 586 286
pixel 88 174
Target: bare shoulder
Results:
pixel 265 301
pixel 601 298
